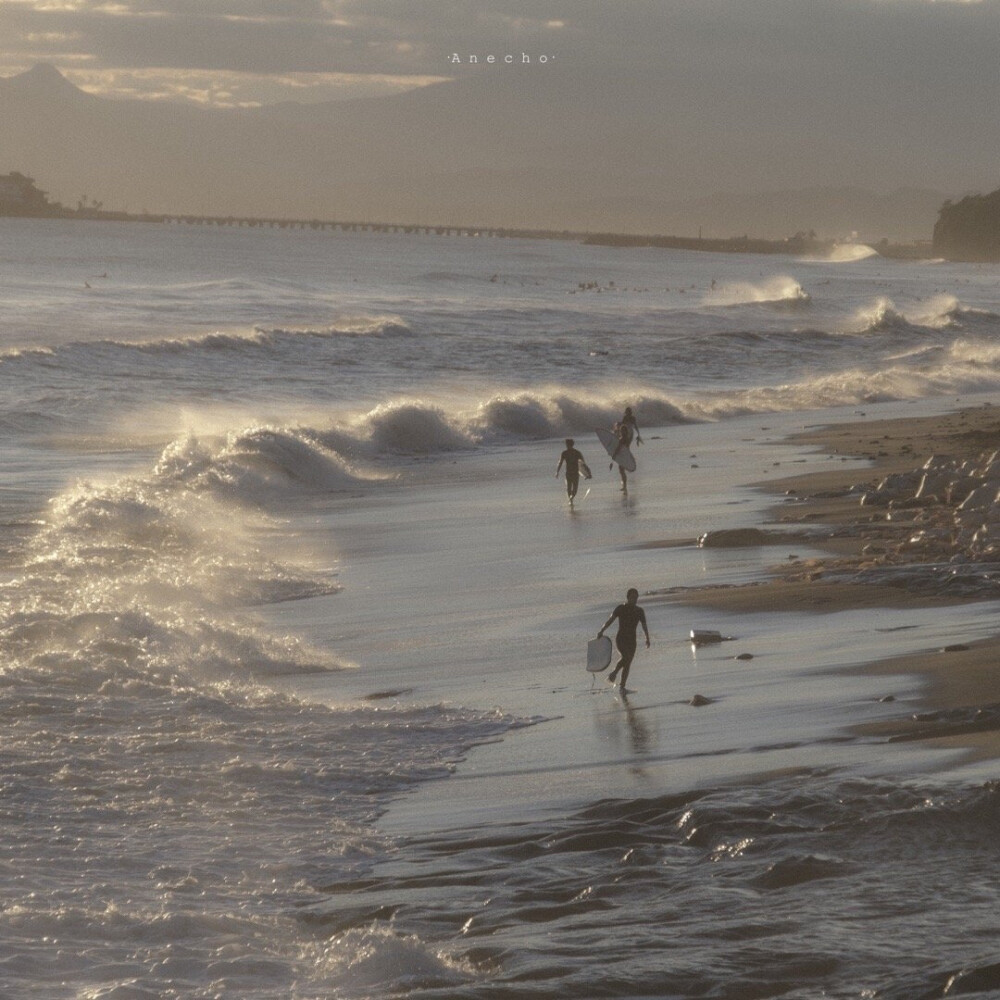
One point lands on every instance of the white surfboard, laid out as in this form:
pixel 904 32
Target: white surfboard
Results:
pixel 598 654
pixel 618 451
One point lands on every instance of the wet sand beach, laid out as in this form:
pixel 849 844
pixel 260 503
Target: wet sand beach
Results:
pixel 900 535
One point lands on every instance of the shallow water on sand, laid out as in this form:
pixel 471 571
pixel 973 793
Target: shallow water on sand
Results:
pixel 639 846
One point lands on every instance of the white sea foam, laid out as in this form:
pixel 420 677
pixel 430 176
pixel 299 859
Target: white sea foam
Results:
pixel 938 312
pixel 380 960
pixel 351 326
pixel 780 289
pixel 19 353
pixel 849 387
pixel 253 462
pixel 846 253
pixel 880 315
pixel 412 428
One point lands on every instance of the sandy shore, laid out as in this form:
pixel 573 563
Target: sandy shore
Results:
pixel 921 527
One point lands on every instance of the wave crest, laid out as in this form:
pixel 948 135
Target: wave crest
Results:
pixel 943 311
pixel 417 427
pixel 256 461
pixel 349 326
pixel 848 253
pixel 779 290
pixel 216 341
pixel 881 315
pixel 414 428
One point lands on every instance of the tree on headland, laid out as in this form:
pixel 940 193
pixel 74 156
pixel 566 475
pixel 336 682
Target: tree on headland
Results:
pixel 19 196
pixel 93 207
pixel 969 229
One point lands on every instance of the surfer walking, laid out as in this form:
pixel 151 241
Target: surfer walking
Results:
pixel 629 616
pixel 574 463
pixel 628 422
pixel 625 430
pixel 624 437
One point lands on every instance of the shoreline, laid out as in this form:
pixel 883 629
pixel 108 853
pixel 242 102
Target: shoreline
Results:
pixel 906 532
pixel 796 245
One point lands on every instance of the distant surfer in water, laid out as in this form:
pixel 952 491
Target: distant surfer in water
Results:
pixel 574 465
pixel 630 616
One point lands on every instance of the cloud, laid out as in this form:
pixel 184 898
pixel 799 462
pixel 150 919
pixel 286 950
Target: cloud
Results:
pixel 232 36
pixel 222 88
pixel 780 61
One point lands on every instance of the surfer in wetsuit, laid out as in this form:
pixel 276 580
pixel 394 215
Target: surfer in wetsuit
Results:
pixel 626 429
pixel 574 460
pixel 630 616
pixel 628 421
pixel 622 431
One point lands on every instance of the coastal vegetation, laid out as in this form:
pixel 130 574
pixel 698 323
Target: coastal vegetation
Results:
pixel 969 229
pixel 19 196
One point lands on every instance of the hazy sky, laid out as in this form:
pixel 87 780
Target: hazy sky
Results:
pixel 630 98
pixel 261 51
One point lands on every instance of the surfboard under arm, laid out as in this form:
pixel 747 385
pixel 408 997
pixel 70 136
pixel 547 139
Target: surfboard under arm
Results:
pixel 618 451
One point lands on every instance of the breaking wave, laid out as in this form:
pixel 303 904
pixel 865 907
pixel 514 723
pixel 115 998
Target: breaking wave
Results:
pixel 846 253
pixel 350 326
pixel 359 450
pixel 779 290
pixel 941 312
pixel 850 387
pixel 256 461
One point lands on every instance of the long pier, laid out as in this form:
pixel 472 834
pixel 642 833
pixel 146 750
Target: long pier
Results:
pixel 797 244
pixel 251 222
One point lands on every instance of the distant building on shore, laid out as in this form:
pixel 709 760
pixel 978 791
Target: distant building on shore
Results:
pixel 969 229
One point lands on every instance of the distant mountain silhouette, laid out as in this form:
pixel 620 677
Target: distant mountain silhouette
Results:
pixel 480 150
pixel 43 81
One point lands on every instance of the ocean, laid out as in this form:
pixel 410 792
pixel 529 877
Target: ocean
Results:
pixel 294 611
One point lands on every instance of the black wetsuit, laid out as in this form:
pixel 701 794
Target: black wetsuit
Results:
pixel 572 458
pixel 629 616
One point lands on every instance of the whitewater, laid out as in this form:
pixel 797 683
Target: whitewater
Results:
pixel 293 608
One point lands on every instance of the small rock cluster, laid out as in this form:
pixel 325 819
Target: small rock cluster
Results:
pixel 948 510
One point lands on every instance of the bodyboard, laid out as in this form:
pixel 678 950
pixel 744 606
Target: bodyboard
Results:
pixel 624 456
pixel 585 471
pixel 598 654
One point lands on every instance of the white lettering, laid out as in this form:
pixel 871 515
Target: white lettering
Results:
pixel 492 58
